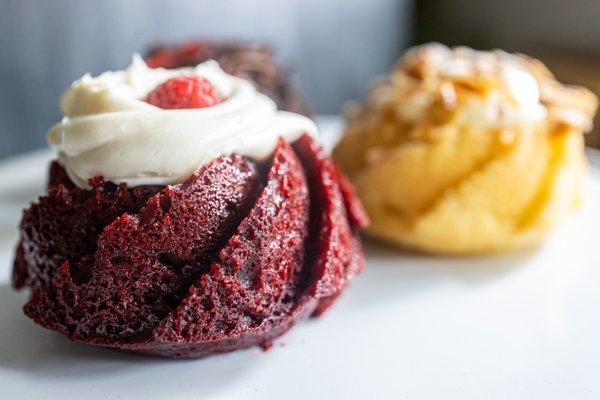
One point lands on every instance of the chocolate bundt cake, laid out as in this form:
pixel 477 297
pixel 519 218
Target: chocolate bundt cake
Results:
pixel 253 61
pixel 261 234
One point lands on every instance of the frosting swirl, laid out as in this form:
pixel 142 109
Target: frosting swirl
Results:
pixel 109 131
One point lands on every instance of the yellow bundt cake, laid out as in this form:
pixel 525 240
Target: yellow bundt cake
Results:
pixel 463 151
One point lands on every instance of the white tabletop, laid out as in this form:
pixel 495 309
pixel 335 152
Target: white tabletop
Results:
pixel 518 326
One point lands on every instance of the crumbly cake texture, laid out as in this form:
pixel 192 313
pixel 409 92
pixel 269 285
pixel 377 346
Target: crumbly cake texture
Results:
pixel 252 61
pixel 231 258
pixel 462 151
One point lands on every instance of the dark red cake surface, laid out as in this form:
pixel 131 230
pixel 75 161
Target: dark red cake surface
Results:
pixel 231 258
pixel 252 61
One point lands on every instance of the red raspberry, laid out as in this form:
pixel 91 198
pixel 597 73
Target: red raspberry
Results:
pixel 184 92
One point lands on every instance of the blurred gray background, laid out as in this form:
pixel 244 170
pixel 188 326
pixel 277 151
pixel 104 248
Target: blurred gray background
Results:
pixel 335 47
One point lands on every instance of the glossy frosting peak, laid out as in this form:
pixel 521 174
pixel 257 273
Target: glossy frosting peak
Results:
pixel 109 131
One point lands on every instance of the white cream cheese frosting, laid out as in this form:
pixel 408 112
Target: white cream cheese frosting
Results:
pixel 110 131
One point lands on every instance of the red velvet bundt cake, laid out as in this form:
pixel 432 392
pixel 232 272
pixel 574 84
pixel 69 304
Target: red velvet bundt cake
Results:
pixel 253 61
pixel 185 216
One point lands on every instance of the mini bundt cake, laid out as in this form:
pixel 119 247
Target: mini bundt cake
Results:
pixel 464 151
pixel 123 252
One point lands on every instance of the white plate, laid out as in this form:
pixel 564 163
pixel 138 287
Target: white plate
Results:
pixel 521 326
